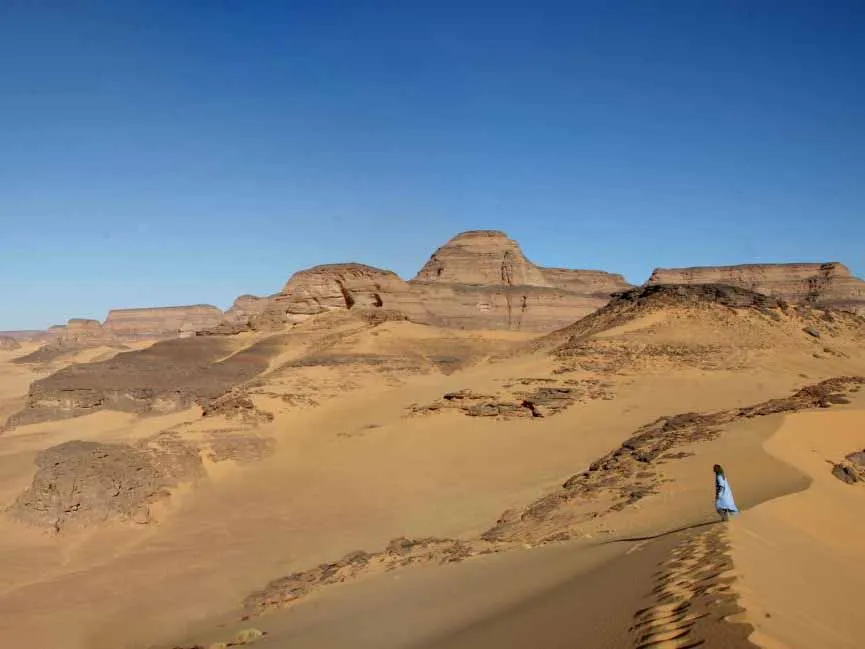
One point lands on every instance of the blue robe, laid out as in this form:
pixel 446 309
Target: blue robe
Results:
pixel 724 499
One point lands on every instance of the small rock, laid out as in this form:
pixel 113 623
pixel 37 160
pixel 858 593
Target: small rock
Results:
pixel 845 474
pixel 811 331
pixel 248 636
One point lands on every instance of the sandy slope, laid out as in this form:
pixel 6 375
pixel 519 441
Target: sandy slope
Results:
pixel 801 557
pixel 356 469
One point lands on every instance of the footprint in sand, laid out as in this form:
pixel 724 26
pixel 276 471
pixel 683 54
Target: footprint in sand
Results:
pixel 692 586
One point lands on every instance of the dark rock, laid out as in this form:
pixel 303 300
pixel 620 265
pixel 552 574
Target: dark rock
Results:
pixel 845 473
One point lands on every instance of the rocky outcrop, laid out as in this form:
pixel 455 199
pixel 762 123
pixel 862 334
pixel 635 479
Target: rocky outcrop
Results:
pixel 339 287
pixel 830 284
pixel 478 280
pixel 482 279
pixel 77 334
pixel 80 331
pixel 244 308
pixel 161 322
pixel 167 376
pixel 8 343
pixel 80 484
pixel 486 257
pixel 597 283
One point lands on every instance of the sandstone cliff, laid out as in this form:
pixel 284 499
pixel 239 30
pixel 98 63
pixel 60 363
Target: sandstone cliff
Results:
pixel 830 284
pixel 244 308
pixel 481 257
pixel 77 334
pixel 479 279
pixel 482 279
pixel 161 322
pixel 337 287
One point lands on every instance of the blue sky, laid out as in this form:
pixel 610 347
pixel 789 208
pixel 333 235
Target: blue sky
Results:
pixel 170 152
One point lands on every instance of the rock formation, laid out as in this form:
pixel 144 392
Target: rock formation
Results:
pixel 830 284
pixel 485 257
pixel 479 279
pixel 244 308
pixel 84 483
pixel 77 334
pixel 161 322
pixel 482 279
pixel 167 376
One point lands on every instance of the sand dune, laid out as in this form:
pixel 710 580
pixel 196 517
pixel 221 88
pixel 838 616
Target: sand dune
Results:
pixel 349 435
pixel 800 558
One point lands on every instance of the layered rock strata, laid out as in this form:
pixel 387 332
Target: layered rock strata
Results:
pixel 829 284
pixel 478 280
pixel 162 322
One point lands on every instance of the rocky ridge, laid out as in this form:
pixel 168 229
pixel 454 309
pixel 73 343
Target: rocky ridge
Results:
pixel 827 284
pixel 661 327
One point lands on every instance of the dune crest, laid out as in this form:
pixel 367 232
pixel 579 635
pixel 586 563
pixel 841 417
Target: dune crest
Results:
pixel 799 557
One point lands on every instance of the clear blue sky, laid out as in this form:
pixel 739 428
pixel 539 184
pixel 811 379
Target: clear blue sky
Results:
pixel 170 152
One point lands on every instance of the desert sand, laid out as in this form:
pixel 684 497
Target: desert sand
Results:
pixel 359 479
pixel 799 557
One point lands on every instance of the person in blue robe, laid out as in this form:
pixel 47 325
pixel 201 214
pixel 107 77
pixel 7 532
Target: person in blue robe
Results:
pixel 725 505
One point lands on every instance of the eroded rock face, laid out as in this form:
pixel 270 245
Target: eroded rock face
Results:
pixel 478 280
pixel 77 334
pixel 244 308
pixel 830 284
pixel 486 257
pixel 337 287
pixel 161 322
pixel 82 483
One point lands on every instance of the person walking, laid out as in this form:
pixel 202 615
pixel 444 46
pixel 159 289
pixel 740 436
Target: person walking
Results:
pixel 725 505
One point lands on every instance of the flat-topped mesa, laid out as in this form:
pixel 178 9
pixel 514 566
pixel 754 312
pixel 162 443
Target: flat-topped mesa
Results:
pixel 486 257
pixel 820 284
pixel 23 334
pixel 162 322
pixel 589 282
